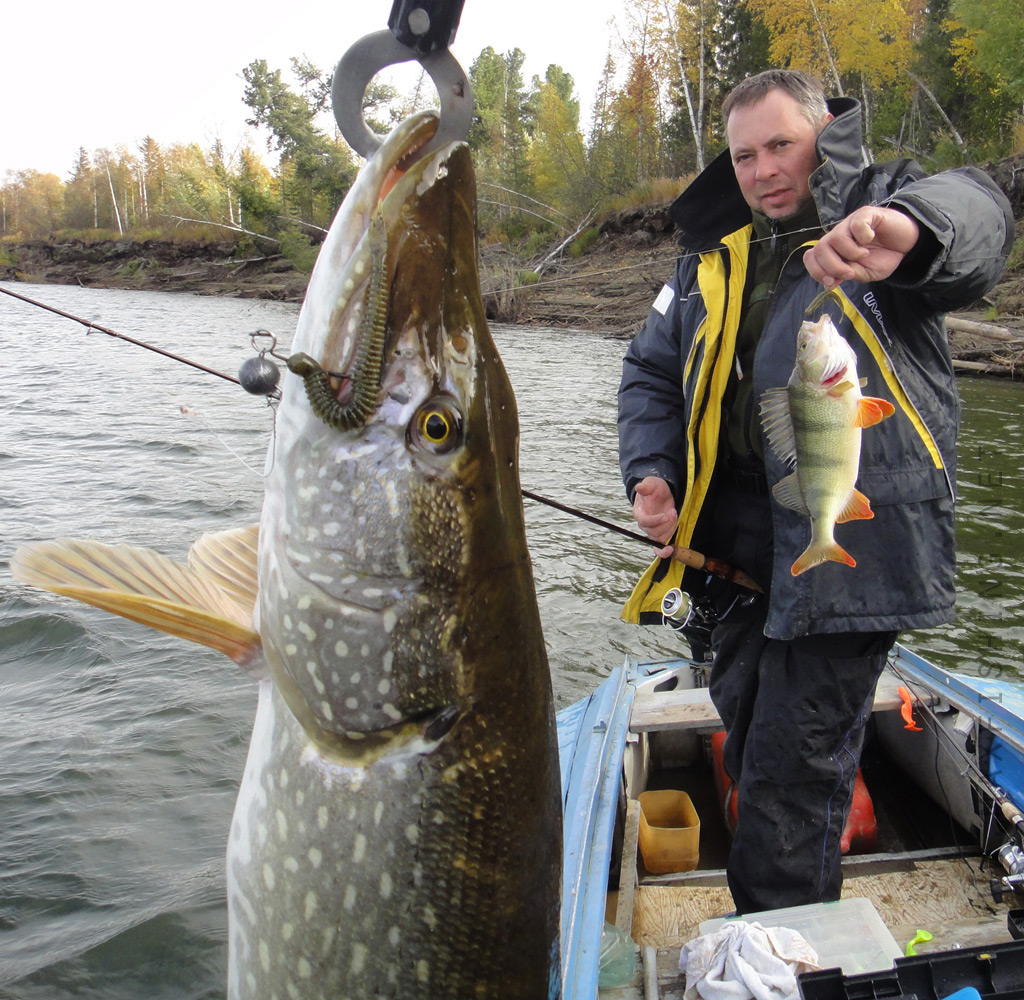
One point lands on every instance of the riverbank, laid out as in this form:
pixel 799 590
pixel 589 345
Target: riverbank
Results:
pixel 608 289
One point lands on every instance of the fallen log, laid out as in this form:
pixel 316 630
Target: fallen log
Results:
pixel 986 368
pixel 990 331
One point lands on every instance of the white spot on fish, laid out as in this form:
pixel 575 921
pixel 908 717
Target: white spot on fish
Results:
pixel 332 528
pixel 303 968
pixel 322 817
pixel 391 712
pixel 268 876
pixel 315 856
pixel 386 886
pixel 392 496
pixel 359 953
pixel 359 851
pixel 430 917
pixel 287 930
pixel 389 659
pixel 311 903
pixel 321 578
pixel 327 711
pixel 291 649
pixel 378 813
pixel 328 939
pixel 313 669
pixel 307 630
pixel 304 602
pixel 384 686
pixel 389 620
pixel 265 956
pixel 373 592
pixel 423 971
pixel 352 703
pixel 394 936
pixel 282 827
pixel 349 901
pixel 291 864
pixel 412 833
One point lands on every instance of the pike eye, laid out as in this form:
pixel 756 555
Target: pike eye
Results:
pixel 436 427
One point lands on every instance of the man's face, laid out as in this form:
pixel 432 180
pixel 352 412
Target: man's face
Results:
pixel 772 148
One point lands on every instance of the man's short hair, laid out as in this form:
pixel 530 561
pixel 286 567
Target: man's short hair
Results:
pixel 804 89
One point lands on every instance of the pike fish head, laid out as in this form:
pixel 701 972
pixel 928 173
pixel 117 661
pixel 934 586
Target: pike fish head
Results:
pixel 823 357
pixel 374 535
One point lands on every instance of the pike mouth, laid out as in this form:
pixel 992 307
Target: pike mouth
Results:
pixel 345 394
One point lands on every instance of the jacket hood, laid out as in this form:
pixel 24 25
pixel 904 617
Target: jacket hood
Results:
pixel 713 205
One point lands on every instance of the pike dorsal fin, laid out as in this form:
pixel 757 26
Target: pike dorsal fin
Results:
pixel 146 587
pixel 777 423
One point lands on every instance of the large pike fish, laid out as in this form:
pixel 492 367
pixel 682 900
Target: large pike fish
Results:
pixel 398 827
pixel 814 424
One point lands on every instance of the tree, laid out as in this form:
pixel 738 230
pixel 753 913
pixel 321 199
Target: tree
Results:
pixel 80 203
pixel 40 203
pixel 993 42
pixel 502 124
pixel 558 155
pixel 684 30
pixel 316 171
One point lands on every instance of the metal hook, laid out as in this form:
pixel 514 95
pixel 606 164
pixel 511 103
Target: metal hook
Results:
pixel 372 53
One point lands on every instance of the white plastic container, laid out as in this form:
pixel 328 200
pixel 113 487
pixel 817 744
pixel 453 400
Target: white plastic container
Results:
pixel 848 934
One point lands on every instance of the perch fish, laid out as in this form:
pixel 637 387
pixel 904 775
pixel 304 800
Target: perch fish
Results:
pixel 814 425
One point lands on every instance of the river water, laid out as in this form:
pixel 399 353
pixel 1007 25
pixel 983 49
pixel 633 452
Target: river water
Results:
pixel 121 748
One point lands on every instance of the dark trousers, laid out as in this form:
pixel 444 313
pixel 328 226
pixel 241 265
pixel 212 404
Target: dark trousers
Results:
pixel 795 713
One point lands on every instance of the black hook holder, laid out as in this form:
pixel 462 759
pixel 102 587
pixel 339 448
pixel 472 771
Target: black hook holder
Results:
pixel 425 25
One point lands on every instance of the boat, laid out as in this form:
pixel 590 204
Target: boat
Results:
pixel 938 852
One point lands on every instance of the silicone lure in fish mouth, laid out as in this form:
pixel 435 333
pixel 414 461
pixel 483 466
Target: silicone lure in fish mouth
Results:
pixel 362 384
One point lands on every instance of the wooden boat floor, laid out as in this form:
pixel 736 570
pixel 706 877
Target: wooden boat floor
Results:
pixel 948 897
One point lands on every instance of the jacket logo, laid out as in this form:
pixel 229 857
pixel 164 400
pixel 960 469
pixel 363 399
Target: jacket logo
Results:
pixel 872 303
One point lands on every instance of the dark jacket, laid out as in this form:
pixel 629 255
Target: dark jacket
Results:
pixel 676 370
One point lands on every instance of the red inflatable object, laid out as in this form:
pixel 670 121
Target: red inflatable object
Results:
pixel 860 835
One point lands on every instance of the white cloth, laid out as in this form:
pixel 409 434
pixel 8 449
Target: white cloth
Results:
pixel 741 960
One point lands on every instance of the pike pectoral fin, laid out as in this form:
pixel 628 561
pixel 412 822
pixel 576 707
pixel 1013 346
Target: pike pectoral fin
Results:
pixel 815 554
pixel 858 508
pixel 788 494
pixel 145 587
pixel 871 411
pixel 228 560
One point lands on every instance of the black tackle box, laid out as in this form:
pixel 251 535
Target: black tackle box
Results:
pixel 996 972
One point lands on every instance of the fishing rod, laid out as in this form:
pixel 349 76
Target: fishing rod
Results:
pixel 119 336
pixel 259 377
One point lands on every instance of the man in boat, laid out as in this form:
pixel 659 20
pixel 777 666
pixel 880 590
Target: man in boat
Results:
pixel 792 207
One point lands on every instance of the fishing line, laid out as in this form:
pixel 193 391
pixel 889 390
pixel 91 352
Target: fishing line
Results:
pixel 652 261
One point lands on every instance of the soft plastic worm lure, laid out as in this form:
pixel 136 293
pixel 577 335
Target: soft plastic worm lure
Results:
pixel 369 361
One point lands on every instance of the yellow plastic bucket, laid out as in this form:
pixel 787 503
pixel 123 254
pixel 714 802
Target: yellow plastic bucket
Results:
pixel 669 831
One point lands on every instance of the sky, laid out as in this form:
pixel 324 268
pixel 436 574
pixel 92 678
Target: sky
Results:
pixel 107 74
